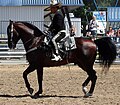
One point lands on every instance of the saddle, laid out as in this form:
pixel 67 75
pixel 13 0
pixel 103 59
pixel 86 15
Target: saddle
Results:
pixel 65 45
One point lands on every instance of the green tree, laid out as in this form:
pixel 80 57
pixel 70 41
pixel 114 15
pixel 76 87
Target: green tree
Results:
pixel 118 3
pixel 85 13
pixel 106 3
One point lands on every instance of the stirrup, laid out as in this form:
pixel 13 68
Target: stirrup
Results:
pixel 56 58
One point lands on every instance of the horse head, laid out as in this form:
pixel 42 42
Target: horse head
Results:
pixel 12 40
pixel 21 30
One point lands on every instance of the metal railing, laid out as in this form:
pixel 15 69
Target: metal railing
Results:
pixel 39 24
pixel 4 25
pixel 4 50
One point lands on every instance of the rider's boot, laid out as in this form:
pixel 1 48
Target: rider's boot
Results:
pixel 57 57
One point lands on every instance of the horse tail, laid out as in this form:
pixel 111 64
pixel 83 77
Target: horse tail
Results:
pixel 107 51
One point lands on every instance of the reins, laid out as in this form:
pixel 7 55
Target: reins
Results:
pixel 32 49
pixel 28 40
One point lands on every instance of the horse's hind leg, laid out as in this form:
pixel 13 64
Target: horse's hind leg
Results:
pixel 25 73
pixel 93 78
pixel 84 89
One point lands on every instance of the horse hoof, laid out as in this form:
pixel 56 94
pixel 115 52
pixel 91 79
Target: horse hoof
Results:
pixel 84 89
pixel 40 91
pixel 87 95
pixel 31 91
pixel 36 95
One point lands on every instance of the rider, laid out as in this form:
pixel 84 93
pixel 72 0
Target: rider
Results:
pixel 57 27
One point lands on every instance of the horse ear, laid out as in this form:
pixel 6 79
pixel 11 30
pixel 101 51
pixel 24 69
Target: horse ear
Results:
pixel 11 24
pixel 10 21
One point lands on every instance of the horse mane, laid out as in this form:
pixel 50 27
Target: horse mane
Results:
pixel 37 31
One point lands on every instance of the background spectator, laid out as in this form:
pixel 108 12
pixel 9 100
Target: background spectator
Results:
pixel 93 26
pixel 110 32
pixel 118 35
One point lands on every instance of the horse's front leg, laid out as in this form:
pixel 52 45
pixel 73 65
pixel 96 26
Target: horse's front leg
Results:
pixel 25 73
pixel 40 78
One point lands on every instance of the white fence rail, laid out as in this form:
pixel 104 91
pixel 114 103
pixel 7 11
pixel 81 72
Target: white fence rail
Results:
pixel 11 56
pixel 18 55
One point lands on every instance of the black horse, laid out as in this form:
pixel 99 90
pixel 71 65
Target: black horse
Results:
pixel 84 55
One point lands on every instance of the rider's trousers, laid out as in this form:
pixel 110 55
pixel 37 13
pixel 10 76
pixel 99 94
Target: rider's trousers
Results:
pixel 57 38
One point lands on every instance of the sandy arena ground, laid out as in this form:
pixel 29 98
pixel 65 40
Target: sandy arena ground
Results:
pixel 61 86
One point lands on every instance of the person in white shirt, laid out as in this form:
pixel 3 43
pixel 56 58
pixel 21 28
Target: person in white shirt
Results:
pixel 93 26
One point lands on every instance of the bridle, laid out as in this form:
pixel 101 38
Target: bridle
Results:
pixel 11 31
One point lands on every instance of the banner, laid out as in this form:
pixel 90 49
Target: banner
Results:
pixel 101 19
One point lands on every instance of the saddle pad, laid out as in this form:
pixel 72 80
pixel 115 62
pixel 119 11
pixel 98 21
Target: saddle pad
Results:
pixel 70 43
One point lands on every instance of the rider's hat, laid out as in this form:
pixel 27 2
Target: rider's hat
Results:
pixel 53 3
